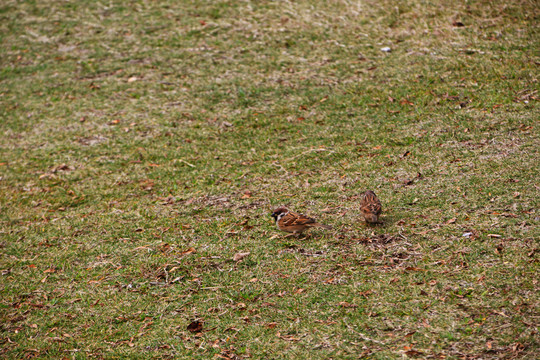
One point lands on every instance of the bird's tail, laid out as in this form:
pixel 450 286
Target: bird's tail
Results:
pixel 327 227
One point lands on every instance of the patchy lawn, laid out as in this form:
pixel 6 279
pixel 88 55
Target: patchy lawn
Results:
pixel 145 143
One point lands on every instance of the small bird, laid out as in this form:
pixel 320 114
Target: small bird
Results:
pixel 294 223
pixel 370 207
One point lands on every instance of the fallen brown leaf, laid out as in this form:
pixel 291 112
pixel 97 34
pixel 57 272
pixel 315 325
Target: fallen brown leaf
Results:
pixel 406 102
pixel 345 304
pixel 239 256
pixel 195 326
pixel 413 352
pixel 411 268
pixel 188 251
pixel 287 337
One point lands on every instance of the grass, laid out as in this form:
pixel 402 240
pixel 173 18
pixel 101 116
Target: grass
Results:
pixel 146 143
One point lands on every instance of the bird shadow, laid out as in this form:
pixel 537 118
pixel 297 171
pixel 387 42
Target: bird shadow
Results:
pixel 384 222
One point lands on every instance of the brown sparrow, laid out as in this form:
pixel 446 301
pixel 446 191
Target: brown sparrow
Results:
pixel 370 207
pixel 294 223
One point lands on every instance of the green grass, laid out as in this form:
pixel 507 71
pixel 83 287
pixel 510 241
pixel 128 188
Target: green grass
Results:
pixel 144 144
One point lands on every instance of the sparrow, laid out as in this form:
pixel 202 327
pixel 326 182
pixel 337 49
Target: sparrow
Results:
pixel 370 207
pixel 294 223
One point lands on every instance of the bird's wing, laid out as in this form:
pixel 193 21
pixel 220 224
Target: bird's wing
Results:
pixel 294 219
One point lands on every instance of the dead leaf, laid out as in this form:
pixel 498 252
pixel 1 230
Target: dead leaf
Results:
pixel 347 305
pixel 165 248
pixel 147 185
pixel 47 176
pixel 188 251
pixel 518 347
pixel 239 256
pixel 451 221
pixel 365 293
pixel 413 352
pixel 408 182
pixel 61 167
pixel 287 337
pixel 247 194
pixel 411 268
pixel 195 326
pixel 406 102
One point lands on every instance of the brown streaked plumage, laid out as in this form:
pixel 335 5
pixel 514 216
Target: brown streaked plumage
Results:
pixel 294 223
pixel 371 207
